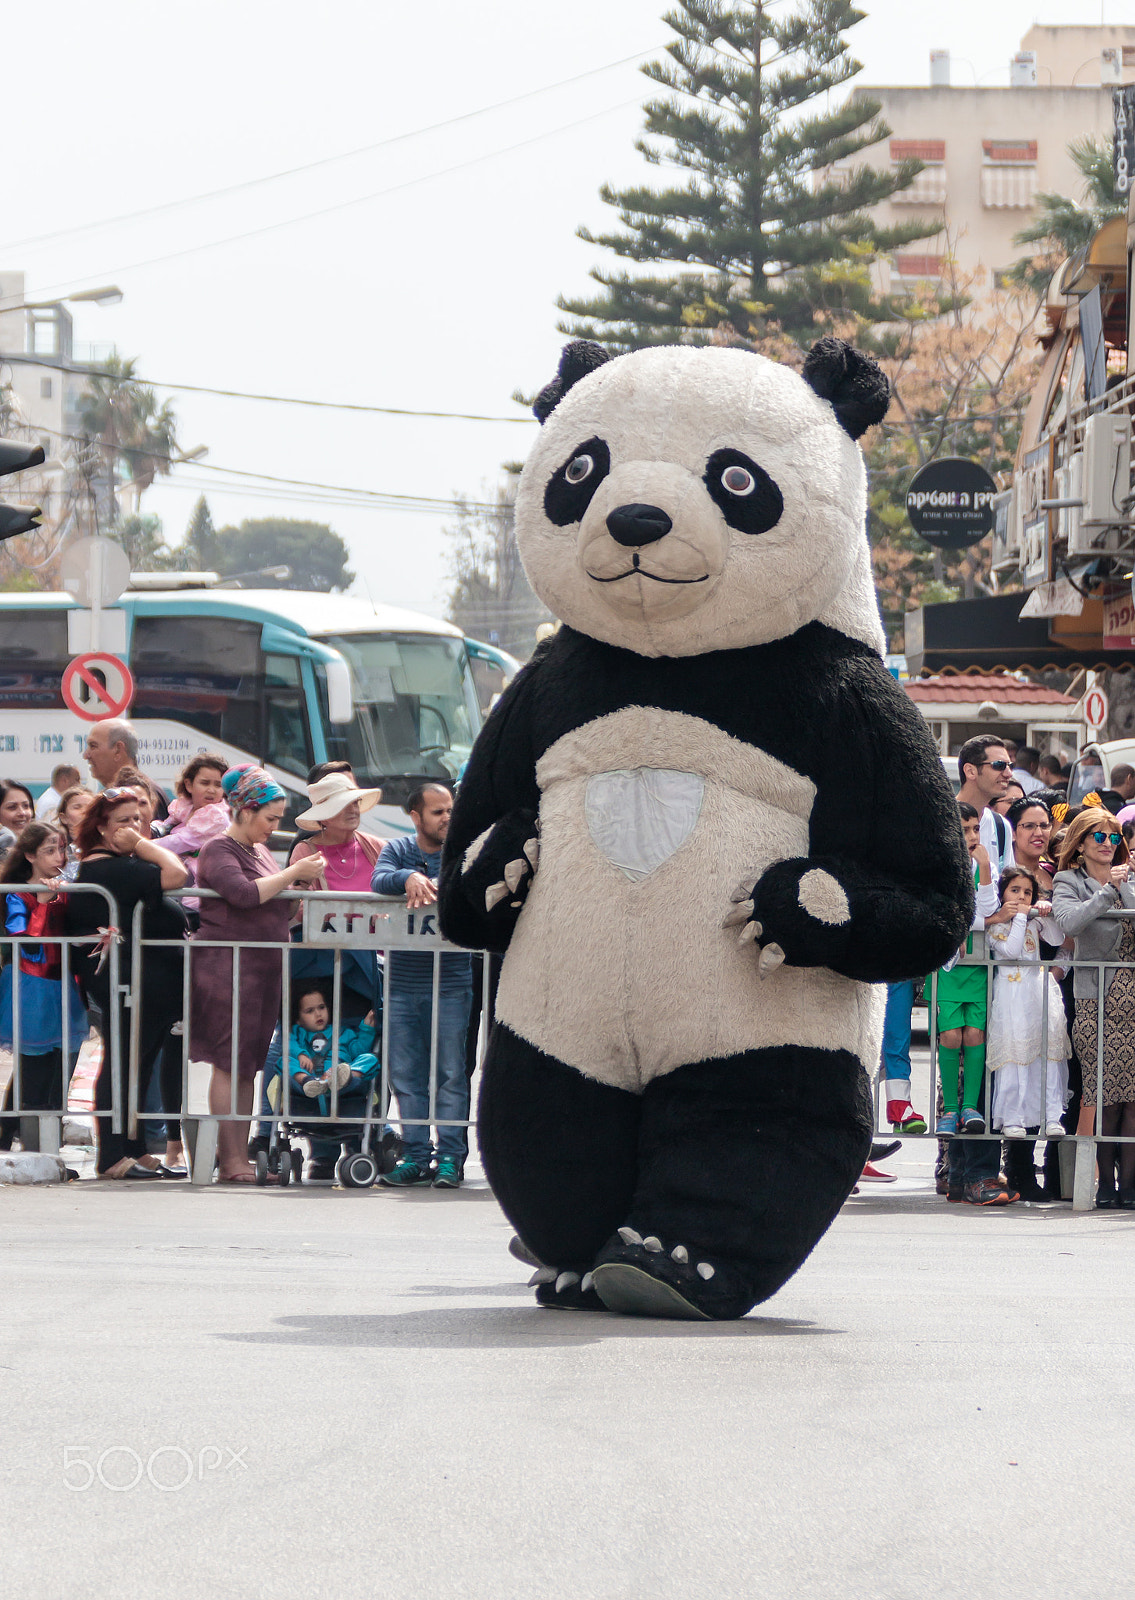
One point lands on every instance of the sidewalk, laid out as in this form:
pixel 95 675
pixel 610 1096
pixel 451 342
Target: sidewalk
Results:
pixel 353 1392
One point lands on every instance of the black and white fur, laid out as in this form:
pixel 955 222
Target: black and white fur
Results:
pixel 704 823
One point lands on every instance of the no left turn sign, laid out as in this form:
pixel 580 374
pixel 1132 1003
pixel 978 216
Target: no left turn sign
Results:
pixel 97 686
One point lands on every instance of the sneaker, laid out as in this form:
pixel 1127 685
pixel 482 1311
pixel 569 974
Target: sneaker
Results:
pixel 1012 1131
pixel 448 1175
pixel 873 1174
pixel 972 1121
pixel 947 1123
pixel 406 1174
pixel 988 1193
pixel 1054 1130
pixel 903 1118
pixel 955 1193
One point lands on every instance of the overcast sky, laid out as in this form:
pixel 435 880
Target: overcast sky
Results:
pixel 429 283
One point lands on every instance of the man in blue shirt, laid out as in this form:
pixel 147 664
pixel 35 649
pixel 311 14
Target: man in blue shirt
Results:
pixel 410 866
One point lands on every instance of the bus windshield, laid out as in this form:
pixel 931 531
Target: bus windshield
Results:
pixel 416 712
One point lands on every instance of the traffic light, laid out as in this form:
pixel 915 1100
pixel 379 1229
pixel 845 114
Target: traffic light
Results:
pixel 15 457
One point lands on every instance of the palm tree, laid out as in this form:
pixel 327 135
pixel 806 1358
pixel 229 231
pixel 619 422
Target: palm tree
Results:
pixel 1063 226
pixel 124 415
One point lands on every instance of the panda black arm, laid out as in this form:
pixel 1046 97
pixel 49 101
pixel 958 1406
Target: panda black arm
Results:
pixel 494 818
pixel 886 892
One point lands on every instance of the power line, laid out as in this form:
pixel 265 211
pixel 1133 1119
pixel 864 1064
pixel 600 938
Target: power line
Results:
pixel 340 205
pixel 376 499
pixel 241 394
pixel 323 161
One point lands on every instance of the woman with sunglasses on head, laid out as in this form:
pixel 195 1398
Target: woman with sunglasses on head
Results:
pixel 1094 879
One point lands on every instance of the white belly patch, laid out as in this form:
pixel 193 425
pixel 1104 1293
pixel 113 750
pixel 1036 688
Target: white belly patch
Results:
pixel 619 964
pixel 639 818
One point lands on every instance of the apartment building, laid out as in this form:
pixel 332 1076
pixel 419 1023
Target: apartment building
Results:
pixel 988 152
pixel 40 397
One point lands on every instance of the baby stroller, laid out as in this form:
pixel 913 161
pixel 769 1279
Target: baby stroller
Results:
pixel 365 1151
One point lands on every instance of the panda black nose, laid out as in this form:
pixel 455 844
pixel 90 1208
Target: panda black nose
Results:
pixel 638 524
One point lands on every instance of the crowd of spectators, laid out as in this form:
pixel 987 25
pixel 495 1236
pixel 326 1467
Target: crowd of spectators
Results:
pixel 1026 1053
pixel 120 837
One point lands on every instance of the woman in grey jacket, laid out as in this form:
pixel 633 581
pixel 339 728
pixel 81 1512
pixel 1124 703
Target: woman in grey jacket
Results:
pixel 1094 879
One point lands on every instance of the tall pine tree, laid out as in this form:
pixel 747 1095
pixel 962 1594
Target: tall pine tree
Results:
pixel 762 232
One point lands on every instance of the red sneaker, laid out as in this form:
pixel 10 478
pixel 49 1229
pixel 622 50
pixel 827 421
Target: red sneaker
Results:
pixel 903 1118
pixel 874 1174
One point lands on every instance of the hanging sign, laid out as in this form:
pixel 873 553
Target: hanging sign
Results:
pixel 97 686
pixel 950 502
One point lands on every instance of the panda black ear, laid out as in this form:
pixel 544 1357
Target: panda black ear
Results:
pixel 579 358
pixel 856 386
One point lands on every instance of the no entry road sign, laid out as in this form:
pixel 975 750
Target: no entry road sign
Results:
pixel 97 686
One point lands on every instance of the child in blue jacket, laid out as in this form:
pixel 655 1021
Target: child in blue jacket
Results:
pixel 309 1053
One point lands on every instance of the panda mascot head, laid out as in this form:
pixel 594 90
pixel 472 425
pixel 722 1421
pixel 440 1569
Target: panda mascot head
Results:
pixel 687 499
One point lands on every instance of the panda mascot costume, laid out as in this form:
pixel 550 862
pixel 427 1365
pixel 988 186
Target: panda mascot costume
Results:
pixel 704 825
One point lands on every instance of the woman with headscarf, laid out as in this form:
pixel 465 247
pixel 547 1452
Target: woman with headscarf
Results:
pixel 240 869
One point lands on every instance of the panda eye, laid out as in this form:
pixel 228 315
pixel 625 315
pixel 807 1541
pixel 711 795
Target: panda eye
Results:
pixel 573 486
pixel 746 496
pixel 738 481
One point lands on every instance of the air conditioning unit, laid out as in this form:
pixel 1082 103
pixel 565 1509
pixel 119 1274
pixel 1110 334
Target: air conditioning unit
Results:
pixel 1107 469
pixel 1069 485
pixel 1006 546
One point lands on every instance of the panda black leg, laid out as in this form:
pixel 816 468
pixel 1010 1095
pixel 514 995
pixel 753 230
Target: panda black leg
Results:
pixel 743 1165
pixel 561 1154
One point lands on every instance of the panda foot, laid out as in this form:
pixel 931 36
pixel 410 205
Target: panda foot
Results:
pixel 565 1291
pixel 640 1277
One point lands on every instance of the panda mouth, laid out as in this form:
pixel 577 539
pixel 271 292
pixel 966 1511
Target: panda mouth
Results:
pixel 641 572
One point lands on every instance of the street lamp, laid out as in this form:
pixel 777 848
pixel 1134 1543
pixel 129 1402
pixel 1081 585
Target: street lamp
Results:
pixel 109 295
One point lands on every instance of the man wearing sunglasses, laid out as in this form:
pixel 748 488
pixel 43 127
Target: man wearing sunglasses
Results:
pixel 986 773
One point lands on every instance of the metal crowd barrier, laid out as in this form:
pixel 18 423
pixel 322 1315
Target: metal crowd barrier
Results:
pixel 331 924
pixel 1084 1145
pixel 335 924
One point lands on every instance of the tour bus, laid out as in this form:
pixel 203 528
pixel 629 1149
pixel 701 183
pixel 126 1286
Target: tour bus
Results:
pixel 277 676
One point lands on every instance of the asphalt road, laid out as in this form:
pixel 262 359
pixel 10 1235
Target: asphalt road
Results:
pixel 220 1393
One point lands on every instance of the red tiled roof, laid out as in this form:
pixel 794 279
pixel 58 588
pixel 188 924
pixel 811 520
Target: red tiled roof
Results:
pixel 1009 149
pixel 913 266
pixel 964 688
pixel 918 149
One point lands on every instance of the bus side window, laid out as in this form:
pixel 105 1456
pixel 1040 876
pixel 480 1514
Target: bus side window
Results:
pixel 33 654
pixel 204 672
pixel 287 740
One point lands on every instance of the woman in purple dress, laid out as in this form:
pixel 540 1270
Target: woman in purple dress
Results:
pixel 239 867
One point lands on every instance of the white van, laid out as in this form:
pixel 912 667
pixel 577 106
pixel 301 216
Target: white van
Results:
pixel 1094 768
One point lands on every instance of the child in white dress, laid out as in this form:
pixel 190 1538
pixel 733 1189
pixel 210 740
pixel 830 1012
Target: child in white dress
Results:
pixel 1024 1094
